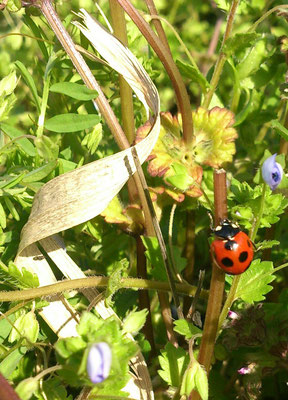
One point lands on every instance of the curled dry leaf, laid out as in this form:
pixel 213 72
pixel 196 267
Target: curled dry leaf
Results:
pixel 82 194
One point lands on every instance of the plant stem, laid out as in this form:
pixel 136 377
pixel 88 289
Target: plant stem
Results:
pixel 84 71
pixel 222 56
pixel 233 290
pixel 172 70
pixel 157 23
pixel 189 254
pixel 127 113
pixel 217 283
pixel 96 281
pixel 255 25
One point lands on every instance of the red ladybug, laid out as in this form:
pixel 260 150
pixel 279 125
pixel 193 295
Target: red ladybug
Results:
pixel 232 249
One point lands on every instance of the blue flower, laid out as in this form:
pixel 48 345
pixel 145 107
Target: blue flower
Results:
pixel 272 172
pixel 99 362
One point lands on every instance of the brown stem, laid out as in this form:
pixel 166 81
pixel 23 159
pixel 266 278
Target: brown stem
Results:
pixel 217 283
pixel 157 23
pixel 170 66
pixel 213 44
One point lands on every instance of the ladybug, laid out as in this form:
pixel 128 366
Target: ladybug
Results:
pixel 232 249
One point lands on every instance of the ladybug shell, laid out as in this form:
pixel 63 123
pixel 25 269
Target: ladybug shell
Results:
pixel 233 255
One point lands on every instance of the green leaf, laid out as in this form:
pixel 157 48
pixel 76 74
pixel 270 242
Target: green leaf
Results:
pixel 280 129
pixel 201 382
pixel 40 173
pixel 239 42
pixel 2 217
pixel 267 244
pixel 74 90
pixel 252 61
pixel 92 139
pixel 153 254
pixel 26 326
pixel 180 179
pixel 47 148
pixel 186 329
pixel 10 363
pixel 135 321
pixel 71 122
pixel 173 363
pixel 254 283
pixel 54 389
pixel 27 388
pixel 30 83
pixel 24 143
pixel 25 278
pixel 190 72
pixel 38 32
pixel 11 208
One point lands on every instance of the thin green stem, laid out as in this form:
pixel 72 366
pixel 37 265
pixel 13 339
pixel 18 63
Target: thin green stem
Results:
pixel 255 25
pixel 127 113
pixel 233 290
pixel 222 56
pixel 41 117
pixel 97 281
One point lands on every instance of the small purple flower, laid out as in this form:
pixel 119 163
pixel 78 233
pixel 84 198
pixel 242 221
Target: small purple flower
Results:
pixel 99 362
pixel 272 172
pixel 244 371
pixel 233 315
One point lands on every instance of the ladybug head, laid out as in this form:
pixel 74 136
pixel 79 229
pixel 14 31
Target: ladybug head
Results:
pixel 226 229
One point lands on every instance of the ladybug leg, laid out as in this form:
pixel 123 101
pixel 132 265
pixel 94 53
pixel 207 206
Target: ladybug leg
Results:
pixel 211 221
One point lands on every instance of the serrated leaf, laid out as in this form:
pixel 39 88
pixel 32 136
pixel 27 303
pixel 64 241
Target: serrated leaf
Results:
pixel 25 278
pixel 71 122
pixel 153 254
pixel 186 329
pixel 280 129
pixel 74 90
pixel 173 363
pixel 190 72
pixel 254 283
pixel 239 42
pixel 267 244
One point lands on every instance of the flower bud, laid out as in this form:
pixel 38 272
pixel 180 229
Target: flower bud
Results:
pixel 99 362
pixel 272 172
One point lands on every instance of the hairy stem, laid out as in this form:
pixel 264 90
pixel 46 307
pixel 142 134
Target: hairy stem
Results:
pixel 96 281
pixel 217 283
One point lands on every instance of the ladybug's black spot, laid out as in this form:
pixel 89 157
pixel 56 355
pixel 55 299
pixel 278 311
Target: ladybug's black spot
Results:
pixel 243 256
pixel 230 245
pixel 227 262
pixel 249 243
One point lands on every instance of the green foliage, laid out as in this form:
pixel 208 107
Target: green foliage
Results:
pixel 72 354
pixel 254 284
pixel 173 362
pixel 186 329
pixel 43 101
